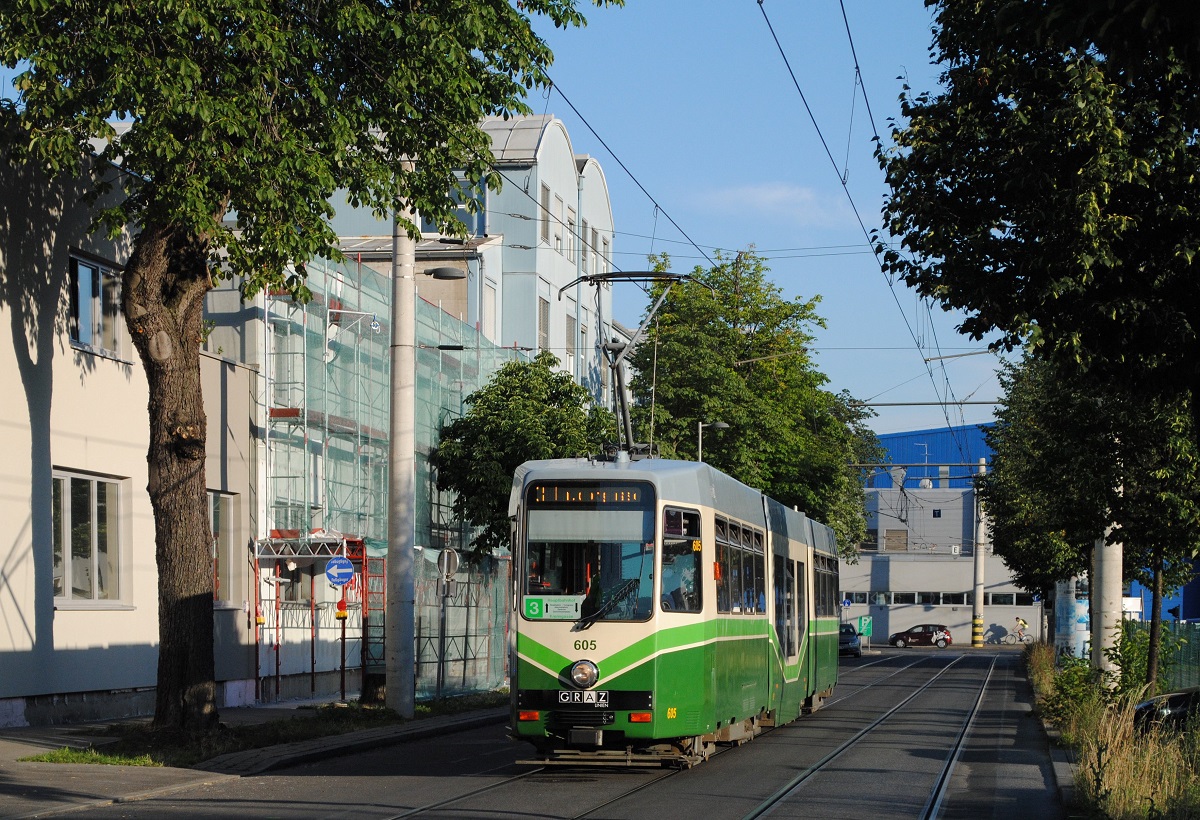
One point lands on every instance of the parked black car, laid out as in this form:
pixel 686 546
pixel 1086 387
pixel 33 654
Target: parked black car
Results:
pixel 922 635
pixel 849 642
pixel 1170 710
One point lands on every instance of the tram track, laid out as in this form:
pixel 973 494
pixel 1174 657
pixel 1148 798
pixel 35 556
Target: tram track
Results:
pixel 937 793
pixel 553 773
pixel 417 811
pixel 446 807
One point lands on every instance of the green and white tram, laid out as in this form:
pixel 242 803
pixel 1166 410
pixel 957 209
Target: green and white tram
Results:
pixel 661 607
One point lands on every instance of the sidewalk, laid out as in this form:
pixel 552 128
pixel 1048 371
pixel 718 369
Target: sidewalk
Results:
pixel 48 789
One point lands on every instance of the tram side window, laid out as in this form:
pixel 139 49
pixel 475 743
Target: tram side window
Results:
pixel 825 585
pixel 723 574
pixel 784 617
pixel 749 584
pixel 681 587
pixel 735 578
pixel 801 607
pixel 818 586
pixel 753 581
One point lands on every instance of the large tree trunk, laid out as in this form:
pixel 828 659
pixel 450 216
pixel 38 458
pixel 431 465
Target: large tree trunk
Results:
pixel 164 286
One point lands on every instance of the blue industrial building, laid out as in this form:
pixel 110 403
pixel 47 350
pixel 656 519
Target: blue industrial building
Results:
pixel 947 457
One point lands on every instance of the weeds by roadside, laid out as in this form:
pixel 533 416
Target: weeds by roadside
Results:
pixel 1121 773
pixel 138 745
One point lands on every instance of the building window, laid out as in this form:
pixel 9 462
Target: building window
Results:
pixel 604 257
pixel 1025 599
pixel 880 598
pixel 954 598
pixel 558 224
pixel 571 234
pixel 595 249
pixel 929 598
pixel 904 597
pixel 95 319
pixel 87 538
pixel 220 510
pixel 543 327
pixel 489 311
pixel 571 334
pixel 854 597
pixel 937 513
pixel 545 213
pixel 1000 599
pixel 296 582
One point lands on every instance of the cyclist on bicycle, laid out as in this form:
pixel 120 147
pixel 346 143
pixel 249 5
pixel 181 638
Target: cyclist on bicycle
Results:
pixel 1021 627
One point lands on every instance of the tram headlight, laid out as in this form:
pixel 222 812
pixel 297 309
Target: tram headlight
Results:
pixel 584 674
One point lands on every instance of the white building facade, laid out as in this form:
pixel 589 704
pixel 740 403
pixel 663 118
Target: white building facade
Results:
pixel 918 567
pixel 78 581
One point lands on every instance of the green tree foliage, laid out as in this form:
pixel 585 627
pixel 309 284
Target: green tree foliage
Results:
pixel 1046 503
pixel 529 410
pixel 1048 189
pixel 726 346
pixel 1138 36
pixel 239 119
pixel 1072 462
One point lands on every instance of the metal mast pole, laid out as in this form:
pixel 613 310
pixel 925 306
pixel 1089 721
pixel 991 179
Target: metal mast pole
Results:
pixel 979 557
pixel 399 616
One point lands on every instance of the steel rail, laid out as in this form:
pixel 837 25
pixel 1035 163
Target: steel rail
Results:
pixel 779 796
pixel 933 805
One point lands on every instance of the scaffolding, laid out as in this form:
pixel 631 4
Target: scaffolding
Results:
pixel 327 395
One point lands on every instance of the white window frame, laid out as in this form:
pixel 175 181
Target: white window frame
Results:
pixel 543 324
pixel 545 214
pixel 95 321
pixel 105 577
pixel 558 224
pixel 571 226
pixel 222 513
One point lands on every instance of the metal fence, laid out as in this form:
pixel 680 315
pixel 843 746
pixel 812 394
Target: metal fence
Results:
pixel 1182 667
pixel 465 648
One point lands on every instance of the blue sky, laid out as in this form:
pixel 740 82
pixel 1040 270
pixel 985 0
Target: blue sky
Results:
pixel 694 98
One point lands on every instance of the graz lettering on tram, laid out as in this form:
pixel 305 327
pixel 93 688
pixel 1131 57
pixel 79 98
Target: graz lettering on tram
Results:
pixel 598 699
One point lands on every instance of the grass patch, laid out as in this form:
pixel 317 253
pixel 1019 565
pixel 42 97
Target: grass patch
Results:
pixel 139 745
pixel 66 755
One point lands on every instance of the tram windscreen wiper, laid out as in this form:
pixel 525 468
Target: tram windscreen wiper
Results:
pixel 624 591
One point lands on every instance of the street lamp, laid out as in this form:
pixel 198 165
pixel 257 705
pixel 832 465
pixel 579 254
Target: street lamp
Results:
pixel 700 425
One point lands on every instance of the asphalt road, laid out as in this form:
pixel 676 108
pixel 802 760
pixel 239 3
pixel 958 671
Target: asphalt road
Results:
pixel 908 733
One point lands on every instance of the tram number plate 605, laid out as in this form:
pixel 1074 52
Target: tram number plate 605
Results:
pixel 597 699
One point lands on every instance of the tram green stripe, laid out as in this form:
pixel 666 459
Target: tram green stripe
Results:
pixel 626 659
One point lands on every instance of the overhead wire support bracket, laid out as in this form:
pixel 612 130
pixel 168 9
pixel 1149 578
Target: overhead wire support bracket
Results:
pixel 618 350
pixel 641 276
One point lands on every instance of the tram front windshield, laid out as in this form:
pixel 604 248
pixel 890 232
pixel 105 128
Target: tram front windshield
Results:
pixel 589 551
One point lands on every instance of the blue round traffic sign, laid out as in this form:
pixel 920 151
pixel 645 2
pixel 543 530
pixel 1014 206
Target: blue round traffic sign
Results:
pixel 339 570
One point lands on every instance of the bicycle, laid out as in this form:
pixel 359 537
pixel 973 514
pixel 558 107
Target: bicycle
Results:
pixel 1013 637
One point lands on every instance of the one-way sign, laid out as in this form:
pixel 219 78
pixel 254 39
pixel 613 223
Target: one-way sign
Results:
pixel 339 570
